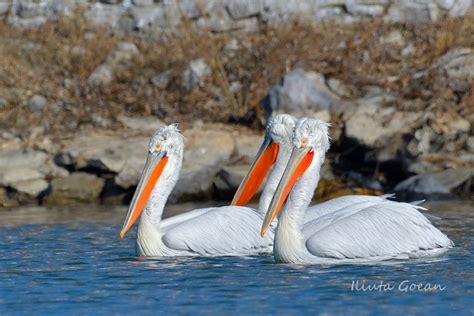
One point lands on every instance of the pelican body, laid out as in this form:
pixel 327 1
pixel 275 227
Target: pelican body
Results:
pixel 227 230
pixel 362 230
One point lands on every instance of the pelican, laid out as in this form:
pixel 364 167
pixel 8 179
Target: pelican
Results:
pixel 275 152
pixel 227 230
pixel 359 232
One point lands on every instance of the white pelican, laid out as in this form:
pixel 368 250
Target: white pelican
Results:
pixel 227 230
pixel 354 233
pixel 275 152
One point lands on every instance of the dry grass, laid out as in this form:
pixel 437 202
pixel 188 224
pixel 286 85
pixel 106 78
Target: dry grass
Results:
pixel 43 59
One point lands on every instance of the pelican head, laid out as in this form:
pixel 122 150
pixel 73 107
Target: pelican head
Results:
pixel 166 143
pixel 310 137
pixel 279 132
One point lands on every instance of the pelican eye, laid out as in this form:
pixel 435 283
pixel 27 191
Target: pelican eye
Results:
pixel 304 142
pixel 158 147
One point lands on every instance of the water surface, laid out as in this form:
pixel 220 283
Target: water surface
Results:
pixel 58 261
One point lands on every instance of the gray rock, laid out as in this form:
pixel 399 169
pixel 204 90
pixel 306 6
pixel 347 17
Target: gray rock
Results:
pixel 143 3
pixel 299 92
pixel 17 159
pixel 195 182
pixel 470 144
pixel 277 11
pixel 369 117
pixel 444 184
pixel 329 13
pixel 162 80
pixel 232 46
pixel 408 50
pixel 111 1
pixel 424 167
pixel 103 152
pixel 30 9
pixel 101 76
pixel 122 55
pixel 145 18
pixel 8 177
pixel 243 8
pixel 107 15
pixel 206 151
pixel 78 188
pixel 235 86
pixel 412 12
pixel 220 21
pixel 228 180
pixel 364 181
pixel 32 188
pixel 445 4
pixel 191 9
pixel 131 171
pixel 147 124
pixel 4 7
pixel 3 103
pixel 195 73
pixel 12 163
pixel 393 38
pixel 207 147
pixel 25 172
pixel 338 87
pixel 356 7
pixel 380 128
pixel 246 147
pixel 460 7
pixel 36 103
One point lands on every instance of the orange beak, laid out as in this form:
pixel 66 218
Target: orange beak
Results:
pixel 265 159
pixel 151 173
pixel 299 161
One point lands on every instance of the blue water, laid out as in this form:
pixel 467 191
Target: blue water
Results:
pixel 71 262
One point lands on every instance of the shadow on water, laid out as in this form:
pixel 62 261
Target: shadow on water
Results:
pixel 72 260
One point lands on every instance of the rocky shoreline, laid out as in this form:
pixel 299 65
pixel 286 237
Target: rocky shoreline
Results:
pixel 78 103
pixel 104 166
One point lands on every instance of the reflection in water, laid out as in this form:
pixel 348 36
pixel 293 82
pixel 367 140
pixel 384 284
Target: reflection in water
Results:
pixel 72 260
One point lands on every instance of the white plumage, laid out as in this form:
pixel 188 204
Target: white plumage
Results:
pixel 227 230
pixel 346 229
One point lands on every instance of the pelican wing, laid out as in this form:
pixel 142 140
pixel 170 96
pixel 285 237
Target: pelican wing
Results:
pixel 339 203
pixel 224 230
pixel 172 221
pixel 381 230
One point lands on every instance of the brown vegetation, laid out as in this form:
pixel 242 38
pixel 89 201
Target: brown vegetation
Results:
pixel 42 60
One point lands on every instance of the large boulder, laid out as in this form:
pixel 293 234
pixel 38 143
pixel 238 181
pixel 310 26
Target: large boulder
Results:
pixel 205 152
pixel 195 182
pixel 445 184
pixel 25 171
pixel 103 153
pixel 299 92
pixel 228 180
pixel 79 188
pixel 246 147
pixel 381 128
pixel 207 146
